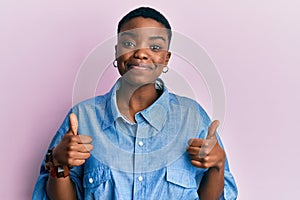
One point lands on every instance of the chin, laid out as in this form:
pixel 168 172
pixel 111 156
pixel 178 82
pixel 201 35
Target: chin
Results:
pixel 138 80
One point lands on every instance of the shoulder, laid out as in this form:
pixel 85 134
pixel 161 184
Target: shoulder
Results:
pixel 92 102
pixel 186 102
pixel 182 100
pixel 190 106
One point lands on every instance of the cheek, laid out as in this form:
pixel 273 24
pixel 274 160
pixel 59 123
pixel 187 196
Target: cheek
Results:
pixel 123 52
pixel 123 58
pixel 161 59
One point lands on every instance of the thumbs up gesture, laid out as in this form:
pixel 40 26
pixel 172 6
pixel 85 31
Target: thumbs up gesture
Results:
pixel 73 149
pixel 207 153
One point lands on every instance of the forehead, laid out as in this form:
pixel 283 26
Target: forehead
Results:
pixel 140 25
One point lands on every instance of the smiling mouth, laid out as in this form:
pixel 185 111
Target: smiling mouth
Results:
pixel 139 66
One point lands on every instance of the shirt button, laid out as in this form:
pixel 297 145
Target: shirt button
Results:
pixel 91 180
pixel 141 143
pixel 140 178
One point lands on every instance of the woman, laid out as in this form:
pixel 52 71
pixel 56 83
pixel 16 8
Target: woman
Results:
pixel 138 141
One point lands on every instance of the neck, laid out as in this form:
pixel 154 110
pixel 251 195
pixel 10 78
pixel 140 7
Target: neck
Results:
pixel 133 99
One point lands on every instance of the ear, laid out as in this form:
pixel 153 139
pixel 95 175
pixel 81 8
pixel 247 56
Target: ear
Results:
pixel 168 56
pixel 116 49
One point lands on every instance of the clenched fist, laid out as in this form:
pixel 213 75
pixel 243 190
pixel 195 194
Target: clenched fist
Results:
pixel 73 149
pixel 207 153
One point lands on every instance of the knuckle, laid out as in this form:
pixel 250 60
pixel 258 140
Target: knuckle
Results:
pixel 70 161
pixel 206 159
pixel 205 165
pixel 70 154
pixel 73 138
pixel 82 162
pixel 88 155
pixel 71 148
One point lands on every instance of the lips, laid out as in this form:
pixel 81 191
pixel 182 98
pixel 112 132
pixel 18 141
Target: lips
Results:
pixel 140 66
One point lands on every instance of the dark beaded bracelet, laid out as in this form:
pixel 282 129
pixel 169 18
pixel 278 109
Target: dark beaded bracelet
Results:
pixel 55 171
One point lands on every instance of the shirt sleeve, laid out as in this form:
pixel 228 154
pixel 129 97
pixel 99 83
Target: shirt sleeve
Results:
pixel 39 192
pixel 230 191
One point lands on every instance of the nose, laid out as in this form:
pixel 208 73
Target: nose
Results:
pixel 141 53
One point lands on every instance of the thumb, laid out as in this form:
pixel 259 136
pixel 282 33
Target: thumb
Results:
pixel 73 123
pixel 210 140
pixel 212 129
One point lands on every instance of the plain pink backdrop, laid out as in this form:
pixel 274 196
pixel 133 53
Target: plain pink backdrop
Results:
pixel 254 44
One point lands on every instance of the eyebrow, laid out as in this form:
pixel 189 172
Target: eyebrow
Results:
pixel 128 33
pixel 134 35
pixel 157 37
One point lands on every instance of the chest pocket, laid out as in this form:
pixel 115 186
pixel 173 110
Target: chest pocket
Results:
pixel 181 178
pixel 182 183
pixel 96 178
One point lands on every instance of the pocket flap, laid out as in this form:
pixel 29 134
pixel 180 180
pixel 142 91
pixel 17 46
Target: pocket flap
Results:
pixel 181 177
pixel 96 176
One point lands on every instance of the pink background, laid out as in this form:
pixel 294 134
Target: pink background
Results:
pixel 255 45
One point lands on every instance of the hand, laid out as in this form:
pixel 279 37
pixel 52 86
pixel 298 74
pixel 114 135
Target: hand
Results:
pixel 207 153
pixel 73 149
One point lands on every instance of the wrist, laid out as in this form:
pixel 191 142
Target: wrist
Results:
pixel 221 164
pixel 55 169
pixel 60 171
pixel 220 167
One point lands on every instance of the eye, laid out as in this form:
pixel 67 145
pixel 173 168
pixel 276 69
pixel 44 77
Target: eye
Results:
pixel 128 44
pixel 155 47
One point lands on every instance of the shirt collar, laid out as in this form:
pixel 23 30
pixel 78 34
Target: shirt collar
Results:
pixel 155 114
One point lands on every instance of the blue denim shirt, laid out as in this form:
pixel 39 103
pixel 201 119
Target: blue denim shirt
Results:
pixel 142 160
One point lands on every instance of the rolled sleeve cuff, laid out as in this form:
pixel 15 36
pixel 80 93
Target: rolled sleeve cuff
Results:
pixel 40 189
pixel 230 190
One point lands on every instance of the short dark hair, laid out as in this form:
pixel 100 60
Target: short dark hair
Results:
pixel 146 12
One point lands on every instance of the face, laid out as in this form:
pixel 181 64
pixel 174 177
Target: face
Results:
pixel 142 50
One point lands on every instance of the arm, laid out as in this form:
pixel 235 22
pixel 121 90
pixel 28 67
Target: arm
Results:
pixel 72 150
pixel 60 188
pixel 212 184
pixel 209 154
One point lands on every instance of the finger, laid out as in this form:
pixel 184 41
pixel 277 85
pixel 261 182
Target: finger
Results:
pixel 193 150
pixel 195 142
pixel 200 164
pixel 85 139
pixel 212 129
pixel 204 152
pixel 207 146
pixel 198 152
pixel 73 123
pixel 79 139
pixel 198 158
pixel 77 162
pixel 84 148
pixel 78 155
